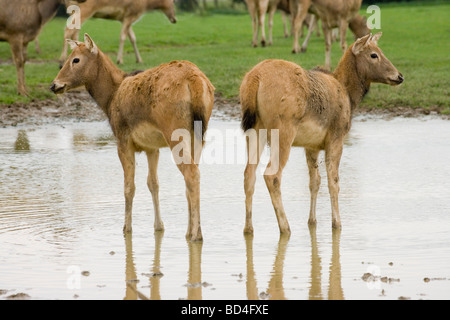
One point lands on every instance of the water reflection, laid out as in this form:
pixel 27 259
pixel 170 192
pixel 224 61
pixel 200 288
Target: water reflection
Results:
pixel 275 288
pixel 132 293
pixel 22 142
pixel 335 291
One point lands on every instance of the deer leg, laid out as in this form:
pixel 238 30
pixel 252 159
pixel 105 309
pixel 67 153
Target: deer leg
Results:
pixel 191 175
pixel 343 33
pixel 332 159
pixel 254 151
pixel 153 186
pixel 285 28
pixel 261 23
pixel 310 31
pixel 312 157
pixel 126 156
pixel 273 181
pixel 327 36
pixel 123 37
pixel 132 37
pixel 37 47
pixel 18 52
pixel 271 13
pixel 299 9
pixel 252 10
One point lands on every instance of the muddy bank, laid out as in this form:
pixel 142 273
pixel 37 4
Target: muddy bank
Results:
pixel 79 106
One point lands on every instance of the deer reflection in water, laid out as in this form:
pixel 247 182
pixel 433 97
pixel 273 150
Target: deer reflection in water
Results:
pixel 194 284
pixel 275 289
pixel 130 270
pixel 335 291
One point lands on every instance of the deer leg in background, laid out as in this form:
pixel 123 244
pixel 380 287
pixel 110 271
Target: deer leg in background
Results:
pixel 37 47
pixel 261 22
pixel 343 33
pixel 271 14
pixel 310 31
pixel 132 37
pixel 18 48
pixel 299 9
pixel 327 36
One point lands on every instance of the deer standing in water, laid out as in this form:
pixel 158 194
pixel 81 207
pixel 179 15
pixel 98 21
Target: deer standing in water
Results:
pixel 311 109
pixel 125 11
pixel 144 110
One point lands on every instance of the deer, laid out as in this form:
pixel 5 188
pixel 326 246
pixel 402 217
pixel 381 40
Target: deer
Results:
pixel 310 109
pixel 20 23
pixel 127 12
pixel 145 109
pixel 333 14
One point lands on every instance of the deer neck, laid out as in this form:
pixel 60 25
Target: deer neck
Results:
pixel 347 74
pixel 103 86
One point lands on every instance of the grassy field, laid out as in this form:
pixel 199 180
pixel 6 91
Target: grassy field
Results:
pixel 415 39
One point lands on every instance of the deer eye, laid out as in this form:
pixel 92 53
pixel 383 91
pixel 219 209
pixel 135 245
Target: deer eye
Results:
pixel 374 56
pixel 76 60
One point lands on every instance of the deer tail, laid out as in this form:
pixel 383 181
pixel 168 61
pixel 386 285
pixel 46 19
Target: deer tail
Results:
pixel 199 101
pixel 249 102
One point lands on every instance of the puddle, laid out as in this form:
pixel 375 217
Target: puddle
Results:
pixel 61 218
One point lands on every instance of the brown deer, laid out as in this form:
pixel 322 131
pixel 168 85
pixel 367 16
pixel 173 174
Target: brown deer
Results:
pixel 333 14
pixel 125 11
pixel 144 111
pixel 310 109
pixel 20 23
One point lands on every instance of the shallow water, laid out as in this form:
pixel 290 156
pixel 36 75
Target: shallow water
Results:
pixel 61 218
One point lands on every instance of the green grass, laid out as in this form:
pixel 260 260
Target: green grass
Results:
pixel 415 39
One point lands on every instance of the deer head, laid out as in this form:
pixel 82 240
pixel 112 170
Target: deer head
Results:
pixel 372 65
pixel 79 68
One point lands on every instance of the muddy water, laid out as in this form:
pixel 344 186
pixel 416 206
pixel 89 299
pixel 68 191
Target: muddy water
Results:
pixel 61 217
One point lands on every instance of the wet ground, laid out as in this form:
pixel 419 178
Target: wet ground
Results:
pixel 61 219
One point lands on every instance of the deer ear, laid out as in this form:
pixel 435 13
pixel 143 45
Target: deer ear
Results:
pixel 90 45
pixel 376 37
pixel 360 44
pixel 72 43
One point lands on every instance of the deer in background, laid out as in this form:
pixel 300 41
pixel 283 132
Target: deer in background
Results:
pixel 333 14
pixel 311 109
pixel 144 110
pixel 125 11
pixel 20 23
